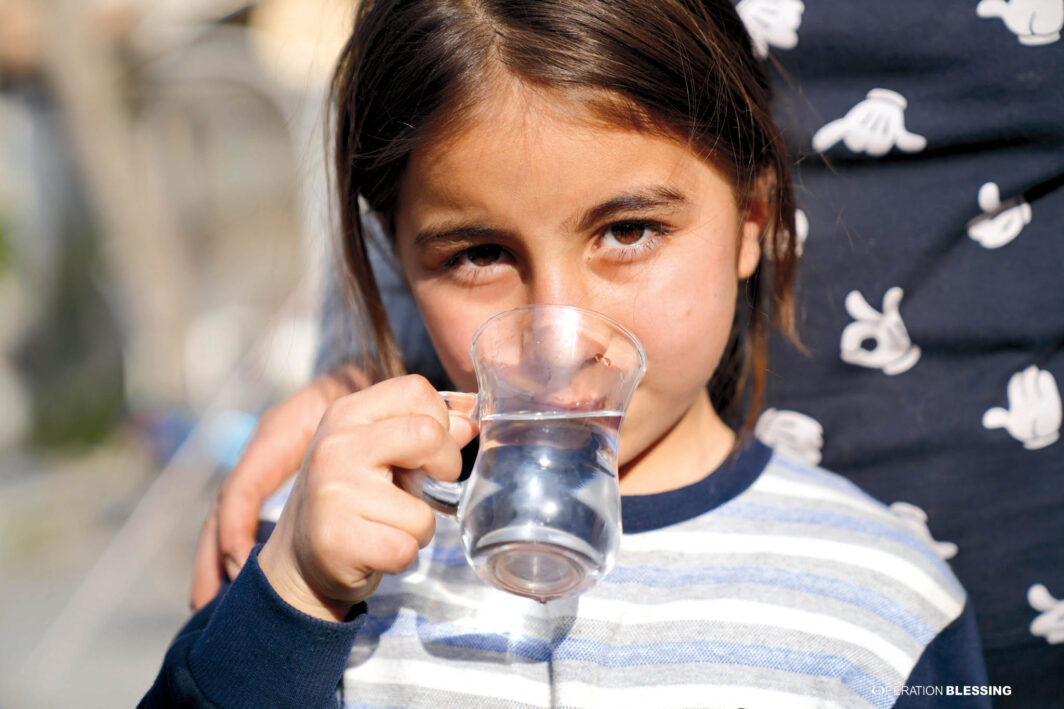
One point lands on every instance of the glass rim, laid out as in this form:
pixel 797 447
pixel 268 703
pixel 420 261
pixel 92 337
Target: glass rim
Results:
pixel 587 312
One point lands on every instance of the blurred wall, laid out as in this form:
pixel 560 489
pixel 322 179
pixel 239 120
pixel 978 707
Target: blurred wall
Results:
pixel 163 226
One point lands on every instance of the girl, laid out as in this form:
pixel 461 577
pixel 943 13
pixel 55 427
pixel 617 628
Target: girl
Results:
pixel 617 155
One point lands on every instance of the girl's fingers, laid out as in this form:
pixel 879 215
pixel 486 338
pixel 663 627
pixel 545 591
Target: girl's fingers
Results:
pixel 462 428
pixel 392 509
pixel 335 539
pixel 393 550
pixel 348 519
pixel 348 474
pixel 409 441
pixel 348 482
pixel 328 588
pixel 401 396
pixel 415 441
pixel 399 423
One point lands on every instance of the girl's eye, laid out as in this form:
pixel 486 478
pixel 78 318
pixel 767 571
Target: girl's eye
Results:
pixel 479 256
pixel 632 234
pixel 483 255
pixel 629 233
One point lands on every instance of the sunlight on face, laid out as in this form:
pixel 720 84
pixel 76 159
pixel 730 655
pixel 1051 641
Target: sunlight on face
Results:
pixel 536 201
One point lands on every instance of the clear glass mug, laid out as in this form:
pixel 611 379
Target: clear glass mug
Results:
pixel 540 513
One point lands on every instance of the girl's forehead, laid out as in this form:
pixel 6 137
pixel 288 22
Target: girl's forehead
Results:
pixel 535 132
pixel 507 103
pixel 526 129
pixel 529 169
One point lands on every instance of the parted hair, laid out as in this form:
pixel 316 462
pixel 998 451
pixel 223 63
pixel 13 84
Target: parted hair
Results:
pixel 680 68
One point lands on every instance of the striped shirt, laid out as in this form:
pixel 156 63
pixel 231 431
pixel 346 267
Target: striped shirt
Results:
pixel 768 584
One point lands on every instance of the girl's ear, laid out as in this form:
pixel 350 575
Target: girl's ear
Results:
pixel 755 220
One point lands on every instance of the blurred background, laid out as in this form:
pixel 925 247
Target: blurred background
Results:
pixel 163 228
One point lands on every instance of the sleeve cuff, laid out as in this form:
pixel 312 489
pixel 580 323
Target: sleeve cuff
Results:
pixel 259 651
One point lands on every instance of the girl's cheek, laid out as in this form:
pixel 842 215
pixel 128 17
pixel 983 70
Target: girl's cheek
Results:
pixel 452 337
pixel 455 359
pixel 683 327
pixel 659 314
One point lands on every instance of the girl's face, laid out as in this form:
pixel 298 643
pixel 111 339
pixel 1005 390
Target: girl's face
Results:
pixel 536 201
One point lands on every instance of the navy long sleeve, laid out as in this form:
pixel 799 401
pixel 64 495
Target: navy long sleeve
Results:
pixel 248 648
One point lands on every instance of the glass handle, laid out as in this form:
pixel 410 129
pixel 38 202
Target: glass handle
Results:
pixel 444 496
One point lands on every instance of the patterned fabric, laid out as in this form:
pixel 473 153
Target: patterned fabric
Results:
pixel 931 289
pixel 798 591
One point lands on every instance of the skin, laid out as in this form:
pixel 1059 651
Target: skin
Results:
pixel 532 200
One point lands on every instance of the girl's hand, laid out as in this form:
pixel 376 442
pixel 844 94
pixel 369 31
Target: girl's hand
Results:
pixel 348 519
pixel 274 453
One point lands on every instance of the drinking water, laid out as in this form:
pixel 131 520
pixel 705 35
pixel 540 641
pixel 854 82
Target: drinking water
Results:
pixel 542 517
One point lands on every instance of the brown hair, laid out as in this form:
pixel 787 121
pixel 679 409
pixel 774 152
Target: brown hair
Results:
pixel 682 67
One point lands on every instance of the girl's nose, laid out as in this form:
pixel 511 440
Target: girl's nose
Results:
pixel 560 284
pixel 564 357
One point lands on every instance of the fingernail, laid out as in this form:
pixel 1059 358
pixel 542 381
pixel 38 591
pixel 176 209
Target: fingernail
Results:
pixel 462 425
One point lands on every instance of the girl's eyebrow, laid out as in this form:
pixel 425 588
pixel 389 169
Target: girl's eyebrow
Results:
pixel 646 199
pixel 649 198
pixel 461 232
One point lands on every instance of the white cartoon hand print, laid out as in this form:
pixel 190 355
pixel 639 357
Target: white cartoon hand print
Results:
pixel 801 232
pixel 892 350
pixel 1049 623
pixel 1034 22
pixel 916 520
pixel 873 126
pixel 1000 223
pixel 771 23
pixel 791 432
pixel 1034 414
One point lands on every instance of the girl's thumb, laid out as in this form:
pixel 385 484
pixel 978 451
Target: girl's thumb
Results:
pixel 463 429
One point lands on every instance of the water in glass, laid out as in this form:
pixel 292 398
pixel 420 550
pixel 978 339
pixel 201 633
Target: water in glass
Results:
pixel 541 517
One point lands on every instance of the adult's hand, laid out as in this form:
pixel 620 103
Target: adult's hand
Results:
pixel 275 452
